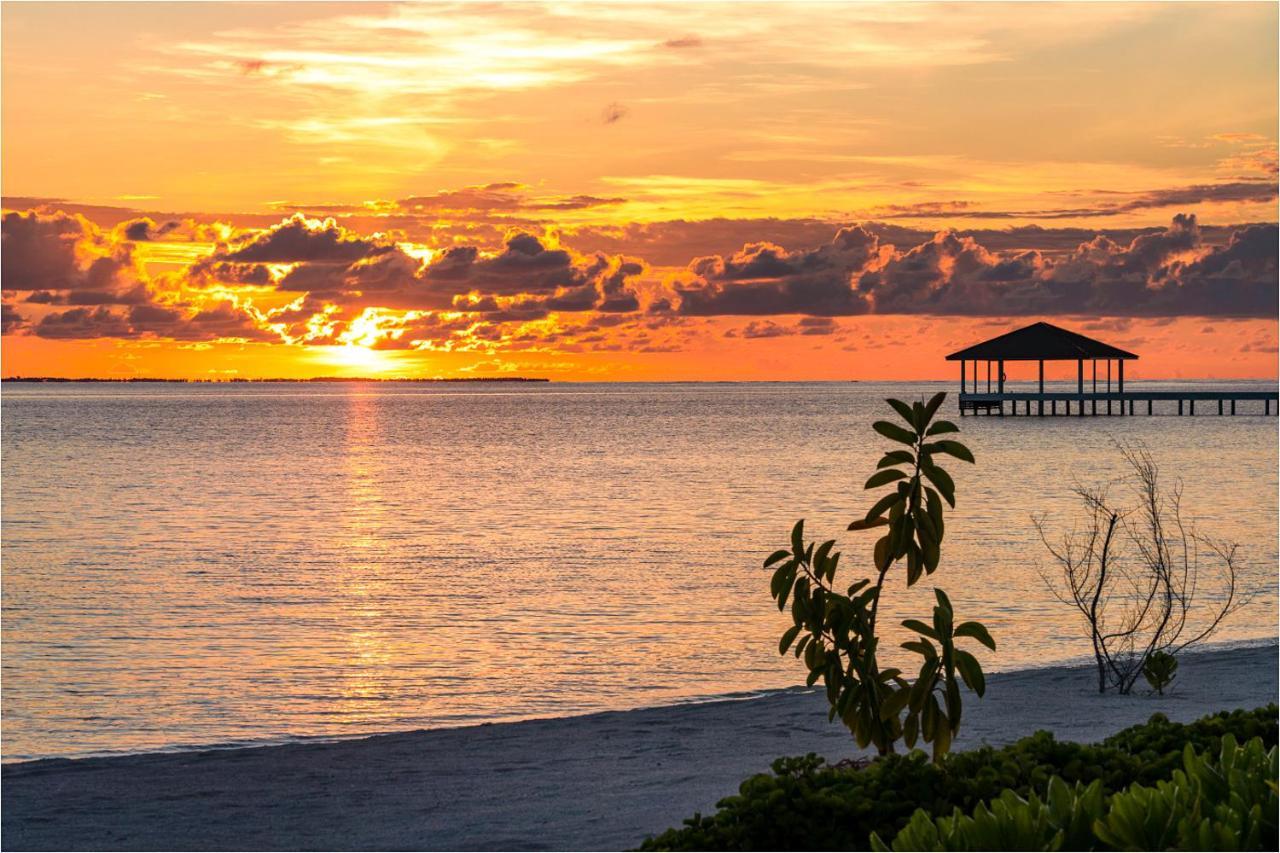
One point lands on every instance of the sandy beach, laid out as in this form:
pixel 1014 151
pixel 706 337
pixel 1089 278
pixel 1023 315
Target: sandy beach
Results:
pixel 602 781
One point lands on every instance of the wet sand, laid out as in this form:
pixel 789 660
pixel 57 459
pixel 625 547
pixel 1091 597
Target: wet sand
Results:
pixel 602 781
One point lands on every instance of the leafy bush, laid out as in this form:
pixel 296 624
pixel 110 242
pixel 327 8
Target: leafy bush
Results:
pixel 806 804
pixel 1222 799
pixel 835 633
pixel 1063 820
pixel 1160 670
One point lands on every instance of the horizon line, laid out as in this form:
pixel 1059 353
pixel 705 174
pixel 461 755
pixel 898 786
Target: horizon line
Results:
pixel 36 380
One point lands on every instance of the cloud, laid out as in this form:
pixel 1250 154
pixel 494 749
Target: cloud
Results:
pixel 62 252
pixel 145 228
pixel 62 259
pixel 766 279
pixel 339 274
pixel 1256 192
pixel 299 239
pixel 306 281
pixel 224 321
pixel 683 42
pixel 499 198
pixel 10 320
pixel 1165 273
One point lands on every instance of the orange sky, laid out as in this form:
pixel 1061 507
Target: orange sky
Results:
pixel 632 192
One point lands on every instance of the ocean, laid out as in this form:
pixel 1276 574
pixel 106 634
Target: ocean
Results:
pixel 189 565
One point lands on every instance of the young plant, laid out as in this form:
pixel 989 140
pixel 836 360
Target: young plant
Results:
pixel 1160 669
pixel 1143 578
pixel 835 633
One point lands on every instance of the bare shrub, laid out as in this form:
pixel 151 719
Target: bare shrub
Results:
pixel 1144 579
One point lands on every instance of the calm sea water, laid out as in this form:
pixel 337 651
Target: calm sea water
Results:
pixel 204 564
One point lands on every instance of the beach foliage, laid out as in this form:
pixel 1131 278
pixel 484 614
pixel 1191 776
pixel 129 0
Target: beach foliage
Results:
pixel 1160 669
pixel 807 804
pixel 835 632
pixel 1224 799
pixel 1144 579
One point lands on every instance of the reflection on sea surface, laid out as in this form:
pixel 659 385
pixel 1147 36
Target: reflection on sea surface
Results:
pixel 189 565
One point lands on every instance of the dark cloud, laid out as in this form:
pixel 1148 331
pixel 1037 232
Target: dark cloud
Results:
pixel 578 202
pixel 299 239
pixel 499 198
pixel 683 41
pixel 61 252
pixel 766 279
pixel 10 320
pixel 613 113
pixel 1260 192
pixel 100 322
pixel 1165 273
pixel 137 295
pixel 145 228
pixel 152 320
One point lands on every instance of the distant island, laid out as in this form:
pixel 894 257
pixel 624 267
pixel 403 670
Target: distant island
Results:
pixel 312 379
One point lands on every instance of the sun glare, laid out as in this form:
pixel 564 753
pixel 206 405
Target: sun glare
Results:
pixel 359 360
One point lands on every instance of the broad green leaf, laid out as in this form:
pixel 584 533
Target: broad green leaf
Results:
pixel 931 557
pixel 952 448
pixel 977 631
pixel 941 736
pixel 942 427
pixel 778 581
pixel 883 556
pixel 925 528
pixel 943 601
pixel 775 557
pixel 952 696
pixel 895 432
pixel 881 477
pixel 788 638
pixel 882 505
pixel 831 566
pixel 971 671
pixel 934 504
pixel 797 538
pixel 943 481
pixel 897 457
pixel 910 730
pixel 905 411
pixel 920 628
pixel 921 648
pixel 820 558
pixel 924 684
pixel 931 407
pixel 929 711
pixel 867 525
pixel 892 706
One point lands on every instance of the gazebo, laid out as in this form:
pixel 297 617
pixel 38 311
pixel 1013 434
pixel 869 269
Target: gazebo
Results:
pixel 1039 342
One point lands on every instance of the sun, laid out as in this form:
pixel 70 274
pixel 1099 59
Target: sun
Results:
pixel 358 360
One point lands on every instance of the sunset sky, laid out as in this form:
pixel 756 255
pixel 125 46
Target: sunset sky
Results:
pixel 633 192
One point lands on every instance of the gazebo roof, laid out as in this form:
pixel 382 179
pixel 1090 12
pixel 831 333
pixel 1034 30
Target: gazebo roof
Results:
pixel 1039 342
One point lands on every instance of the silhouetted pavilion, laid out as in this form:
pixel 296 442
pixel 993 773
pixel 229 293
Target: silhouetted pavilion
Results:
pixel 1041 342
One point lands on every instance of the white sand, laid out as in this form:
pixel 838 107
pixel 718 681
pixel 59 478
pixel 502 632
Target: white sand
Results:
pixel 603 781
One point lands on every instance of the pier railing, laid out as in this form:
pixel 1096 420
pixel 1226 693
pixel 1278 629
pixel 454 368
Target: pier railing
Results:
pixel 1042 403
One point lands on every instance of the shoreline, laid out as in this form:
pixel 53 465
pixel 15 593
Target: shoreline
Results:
pixel 599 781
pixel 1076 662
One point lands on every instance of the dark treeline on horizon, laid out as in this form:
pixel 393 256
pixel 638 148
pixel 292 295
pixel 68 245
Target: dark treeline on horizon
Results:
pixel 311 379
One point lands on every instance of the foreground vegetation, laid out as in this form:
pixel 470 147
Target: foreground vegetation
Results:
pixel 807 804
pixel 835 633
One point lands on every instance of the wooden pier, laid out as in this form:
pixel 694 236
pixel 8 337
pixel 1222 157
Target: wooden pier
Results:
pixel 1041 342
pixel 1055 404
